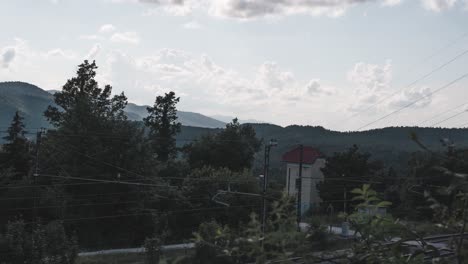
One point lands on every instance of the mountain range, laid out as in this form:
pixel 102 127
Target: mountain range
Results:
pixel 32 101
pixel 392 144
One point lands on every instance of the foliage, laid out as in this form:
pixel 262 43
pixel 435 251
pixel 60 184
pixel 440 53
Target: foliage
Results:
pixel 47 244
pixel 152 250
pixel 376 230
pixel 82 104
pixel 163 125
pixel 449 198
pixel 202 186
pixel 233 148
pixel 16 147
pixel 92 139
pixel 281 239
pixel 345 171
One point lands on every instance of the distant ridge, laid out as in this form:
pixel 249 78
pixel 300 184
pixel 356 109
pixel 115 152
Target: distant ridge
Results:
pixel 32 101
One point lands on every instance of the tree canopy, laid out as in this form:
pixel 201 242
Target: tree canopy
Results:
pixel 163 126
pixel 233 148
pixel 345 171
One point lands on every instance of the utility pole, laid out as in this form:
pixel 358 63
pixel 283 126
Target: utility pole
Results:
pixel 299 185
pixel 266 166
pixel 344 197
pixel 35 174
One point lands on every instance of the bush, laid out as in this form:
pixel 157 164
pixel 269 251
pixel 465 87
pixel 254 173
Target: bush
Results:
pixel 47 244
pixel 152 250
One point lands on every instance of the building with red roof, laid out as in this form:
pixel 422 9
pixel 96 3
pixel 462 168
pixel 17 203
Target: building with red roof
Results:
pixel 312 162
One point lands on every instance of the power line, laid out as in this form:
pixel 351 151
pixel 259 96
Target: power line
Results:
pixel 464 125
pixel 143 176
pixel 435 53
pixel 142 214
pixel 411 84
pixel 107 203
pixel 415 101
pixel 106 181
pixel 443 113
pixel 73 205
pixel 450 117
pixel 71 196
pixel 63 184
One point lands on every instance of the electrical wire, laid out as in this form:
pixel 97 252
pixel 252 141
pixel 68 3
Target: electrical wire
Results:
pixel 443 113
pixel 415 101
pixel 450 117
pixel 458 56
pixel 106 181
pixel 151 213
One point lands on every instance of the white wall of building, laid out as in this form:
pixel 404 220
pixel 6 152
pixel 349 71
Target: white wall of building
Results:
pixel 311 174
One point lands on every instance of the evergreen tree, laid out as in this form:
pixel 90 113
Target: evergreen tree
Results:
pixel 16 148
pixel 163 125
pixel 83 105
pixel 93 139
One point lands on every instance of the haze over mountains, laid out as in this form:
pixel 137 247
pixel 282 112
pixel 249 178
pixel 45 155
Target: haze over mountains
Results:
pixel 392 144
pixel 32 102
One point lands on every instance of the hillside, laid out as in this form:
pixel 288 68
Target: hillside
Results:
pixel 392 145
pixel 32 102
pixel 27 98
pixel 138 112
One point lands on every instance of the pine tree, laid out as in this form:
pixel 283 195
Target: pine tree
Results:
pixel 16 148
pixel 163 125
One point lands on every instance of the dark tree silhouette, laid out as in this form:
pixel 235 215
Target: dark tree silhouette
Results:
pixel 16 147
pixel 163 125
pixel 233 148
pixel 345 171
pixel 82 104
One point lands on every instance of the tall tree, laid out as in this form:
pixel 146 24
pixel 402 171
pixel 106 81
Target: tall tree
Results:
pixel 93 139
pixel 233 148
pixel 16 148
pixel 82 104
pixel 163 125
pixel 345 171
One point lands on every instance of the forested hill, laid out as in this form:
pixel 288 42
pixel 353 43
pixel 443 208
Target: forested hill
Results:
pixel 392 145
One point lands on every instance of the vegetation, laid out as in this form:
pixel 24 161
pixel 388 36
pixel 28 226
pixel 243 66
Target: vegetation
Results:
pixel 98 180
pixel 163 126
pixel 345 171
pixel 233 148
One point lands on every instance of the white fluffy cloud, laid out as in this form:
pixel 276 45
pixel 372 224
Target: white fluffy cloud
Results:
pixel 438 5
pixel 315 88
pixel 207 87
pixel 372 87
pixel 107 28
pixel 7 55
pixel 60 53
pixel 392 2
pixel 371 77
pixel 246 9
pixel 93 52
pixel 406 97
pixel 125 37
pixel 192 25
pixel 370 83
pixel 252 9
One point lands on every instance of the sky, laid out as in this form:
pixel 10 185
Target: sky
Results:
pixel 346 65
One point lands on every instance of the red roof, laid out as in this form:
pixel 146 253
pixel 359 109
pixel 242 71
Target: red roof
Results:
pixel 308 157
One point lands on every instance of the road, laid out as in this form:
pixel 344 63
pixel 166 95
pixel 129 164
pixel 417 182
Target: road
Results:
pixel 165 248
